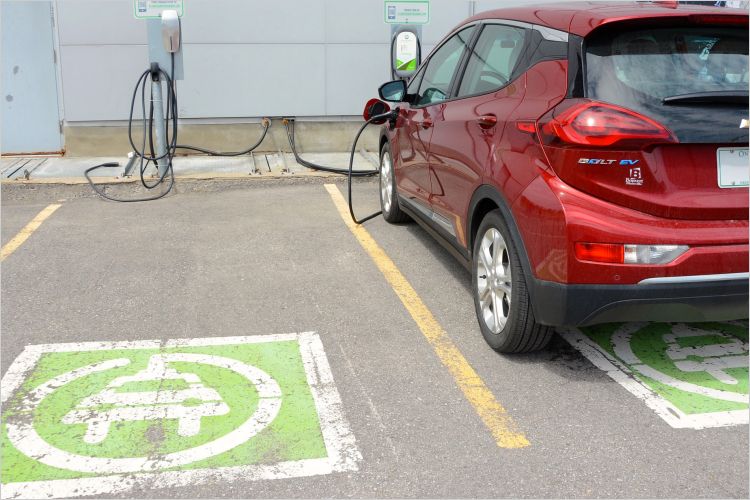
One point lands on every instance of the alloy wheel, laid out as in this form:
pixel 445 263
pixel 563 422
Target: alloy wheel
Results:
pixel 386 182
pixel 494 284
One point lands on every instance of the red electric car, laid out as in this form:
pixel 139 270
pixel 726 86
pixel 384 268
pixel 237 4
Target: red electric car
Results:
pixel 587 161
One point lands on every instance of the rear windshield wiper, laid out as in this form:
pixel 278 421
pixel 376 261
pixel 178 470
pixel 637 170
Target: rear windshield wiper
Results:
pixel 715 97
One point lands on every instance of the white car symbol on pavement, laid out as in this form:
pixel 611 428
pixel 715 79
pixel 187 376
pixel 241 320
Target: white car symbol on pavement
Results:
pixel 153 405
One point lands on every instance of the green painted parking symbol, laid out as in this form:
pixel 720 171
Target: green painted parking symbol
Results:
pixel 692 375
pixel 96 418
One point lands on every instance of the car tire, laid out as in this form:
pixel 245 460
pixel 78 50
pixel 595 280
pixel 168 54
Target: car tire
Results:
pixel 388 197
pixel 501 299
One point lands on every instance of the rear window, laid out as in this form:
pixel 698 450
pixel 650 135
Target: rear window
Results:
pixel 638 69
pixel 659 63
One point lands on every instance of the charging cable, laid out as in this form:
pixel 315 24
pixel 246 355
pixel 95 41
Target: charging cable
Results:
pixel 266 124
pixel 378 119
pixel 147 159
pixel 289 126
pixel 171 118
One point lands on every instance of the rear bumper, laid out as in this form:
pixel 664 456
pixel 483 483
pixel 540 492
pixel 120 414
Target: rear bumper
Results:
pixel 688 299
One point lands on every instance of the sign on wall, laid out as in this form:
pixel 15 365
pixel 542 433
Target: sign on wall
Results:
pixel 407 12
pixel 152 9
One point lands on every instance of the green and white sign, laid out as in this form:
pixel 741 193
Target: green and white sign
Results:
pixel 693 375
pixel 407 12
pixel 152 9
pixel 105 417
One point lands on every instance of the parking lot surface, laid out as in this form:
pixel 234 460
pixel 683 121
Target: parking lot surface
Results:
pixel 259 309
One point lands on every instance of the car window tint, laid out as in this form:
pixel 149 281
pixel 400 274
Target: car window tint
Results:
pixel 638 69
pixel 649 65
pixel 493 59
pixel 436 81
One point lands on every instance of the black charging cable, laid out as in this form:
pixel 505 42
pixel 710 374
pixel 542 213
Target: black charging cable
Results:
pixel 377 119
pixel 289 126
pixel 266 124
pixel 146 159
pixel 171 117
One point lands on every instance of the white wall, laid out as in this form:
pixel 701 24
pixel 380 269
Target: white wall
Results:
pixel 242 58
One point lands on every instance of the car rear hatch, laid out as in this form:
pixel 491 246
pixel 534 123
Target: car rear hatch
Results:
pixel 658 128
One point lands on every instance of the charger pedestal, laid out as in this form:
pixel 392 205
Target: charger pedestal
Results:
pixel 158 54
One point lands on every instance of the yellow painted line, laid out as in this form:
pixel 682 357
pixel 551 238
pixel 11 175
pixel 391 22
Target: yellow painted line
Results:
pixel 495 417
pixel 27 231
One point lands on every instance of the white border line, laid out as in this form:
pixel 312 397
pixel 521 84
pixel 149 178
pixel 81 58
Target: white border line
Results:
pixel 666 410
pixel 105 485
pixel 341 447
pixel 339 440
pixel 17 372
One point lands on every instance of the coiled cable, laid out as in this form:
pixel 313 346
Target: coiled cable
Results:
pixel 171 117
pixel 145 159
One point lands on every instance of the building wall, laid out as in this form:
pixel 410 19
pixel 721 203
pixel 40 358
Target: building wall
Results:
pixel 243 59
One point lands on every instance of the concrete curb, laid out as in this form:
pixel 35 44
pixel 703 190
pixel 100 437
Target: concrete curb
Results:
pixel 280 165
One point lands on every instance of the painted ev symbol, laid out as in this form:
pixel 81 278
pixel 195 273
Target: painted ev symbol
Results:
pixel 714 359
pixel 101 418
pixel 692 375
pixel 153 405
pixel 134 406
pixel 717 353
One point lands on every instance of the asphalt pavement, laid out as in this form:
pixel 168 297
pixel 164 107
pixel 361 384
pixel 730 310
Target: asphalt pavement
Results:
pixel 267 259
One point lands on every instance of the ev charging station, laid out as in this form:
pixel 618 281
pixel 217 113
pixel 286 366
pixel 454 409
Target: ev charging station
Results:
pixel 165 66
pixel 406 19
pixel 158 142
pixel 164 43
pixel 406 51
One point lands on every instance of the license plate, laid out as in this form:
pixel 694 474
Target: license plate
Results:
pixel 733 166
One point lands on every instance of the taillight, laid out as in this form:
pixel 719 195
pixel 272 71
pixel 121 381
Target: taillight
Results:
pixel 613 253
pixel 587 123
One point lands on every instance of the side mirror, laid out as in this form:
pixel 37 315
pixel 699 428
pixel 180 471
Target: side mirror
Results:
pixel 394 91
pixel 375 107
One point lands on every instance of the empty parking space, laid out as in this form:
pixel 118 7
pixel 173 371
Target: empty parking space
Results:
pixel 173 287
pixel 17 218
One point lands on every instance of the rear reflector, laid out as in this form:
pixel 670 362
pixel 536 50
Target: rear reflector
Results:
pixel 613 253
pixel 600 252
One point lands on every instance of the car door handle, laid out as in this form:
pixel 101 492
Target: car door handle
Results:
pixel 487 121
pixel 427 123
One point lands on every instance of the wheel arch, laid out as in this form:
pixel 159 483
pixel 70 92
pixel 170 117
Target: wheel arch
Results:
pixel 383 141
pixel 485 199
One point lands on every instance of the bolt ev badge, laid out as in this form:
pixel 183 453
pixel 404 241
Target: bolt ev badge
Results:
pixel 600 161
pixel 596 161
pixel 745 123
